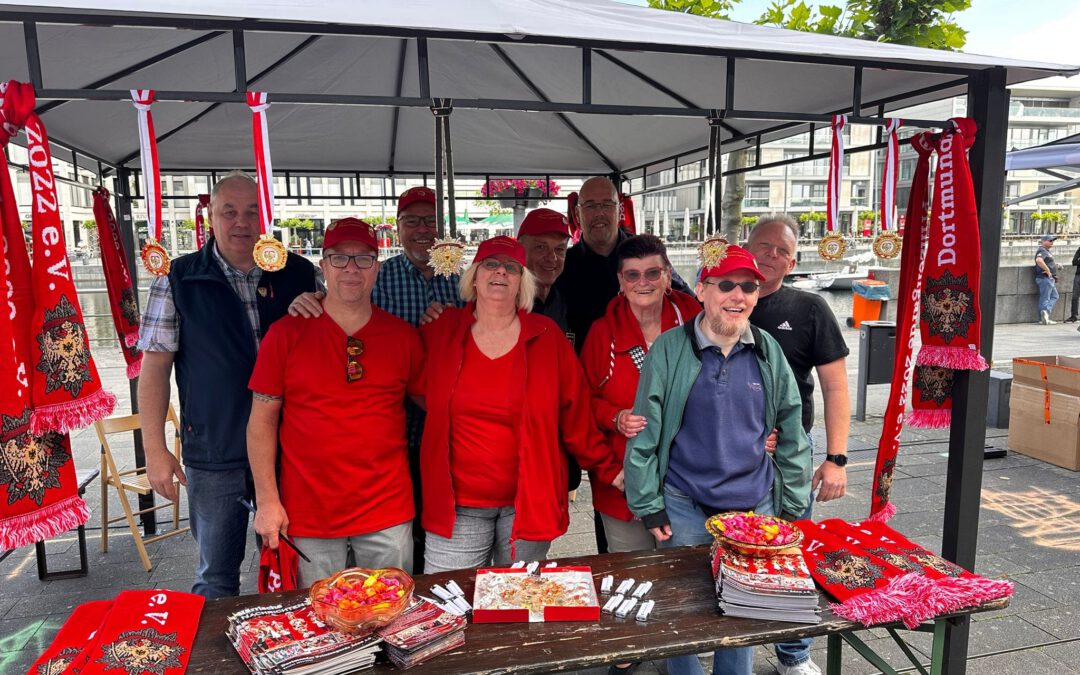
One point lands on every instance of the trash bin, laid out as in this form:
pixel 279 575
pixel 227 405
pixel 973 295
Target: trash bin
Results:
pixel 877 347
pixel 869 294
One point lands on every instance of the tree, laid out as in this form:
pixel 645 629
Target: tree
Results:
pixel 297 224
pixel 187 224
pixel 919 23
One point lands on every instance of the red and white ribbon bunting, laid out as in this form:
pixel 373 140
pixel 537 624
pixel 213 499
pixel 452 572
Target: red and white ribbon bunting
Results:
pixel 836 169
pixel 889 175
pixel 200 223
pixel 148 155
pixel 264 170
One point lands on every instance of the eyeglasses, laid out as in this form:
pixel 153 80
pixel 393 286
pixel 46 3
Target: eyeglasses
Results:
pixel 341 261
pixel 511 267
pixel 354 347
pixel 634 276
pixel 598 206
pixel 728 286
pixel 416 221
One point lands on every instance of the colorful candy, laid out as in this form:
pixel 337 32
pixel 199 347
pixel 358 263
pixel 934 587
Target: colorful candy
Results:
pixel 751 528
pixel 374 592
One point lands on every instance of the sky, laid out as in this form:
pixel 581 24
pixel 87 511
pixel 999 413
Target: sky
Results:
pixel 1037 30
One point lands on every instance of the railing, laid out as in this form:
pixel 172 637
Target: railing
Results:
pixel 755 203
pixel 1021 110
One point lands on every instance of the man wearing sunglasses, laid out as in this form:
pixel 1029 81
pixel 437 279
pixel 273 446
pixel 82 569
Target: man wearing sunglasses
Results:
pixel 329 392
pixel 710 393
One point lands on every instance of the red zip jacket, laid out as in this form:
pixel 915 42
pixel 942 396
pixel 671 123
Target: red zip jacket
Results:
pixel 614 386
pixel 551 405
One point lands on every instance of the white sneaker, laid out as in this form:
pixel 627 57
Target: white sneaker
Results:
pixel 1045 320
pixel 807 667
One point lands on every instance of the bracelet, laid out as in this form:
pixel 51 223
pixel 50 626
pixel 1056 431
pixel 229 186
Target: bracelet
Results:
pixel 615 420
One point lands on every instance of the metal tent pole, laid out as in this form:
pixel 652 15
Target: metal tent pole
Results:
pixel 440 211
pixel 988 104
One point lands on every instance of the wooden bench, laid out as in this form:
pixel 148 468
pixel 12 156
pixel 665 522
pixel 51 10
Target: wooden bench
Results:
pixel 685 621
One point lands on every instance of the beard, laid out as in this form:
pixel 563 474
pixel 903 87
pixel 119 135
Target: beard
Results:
pixel 728 328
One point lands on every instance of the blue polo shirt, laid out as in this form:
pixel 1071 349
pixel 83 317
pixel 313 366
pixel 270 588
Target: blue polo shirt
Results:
pixel 718 457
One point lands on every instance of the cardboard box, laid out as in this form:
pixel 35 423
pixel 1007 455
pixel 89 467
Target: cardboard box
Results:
pixel 1044 409
pixel 496 600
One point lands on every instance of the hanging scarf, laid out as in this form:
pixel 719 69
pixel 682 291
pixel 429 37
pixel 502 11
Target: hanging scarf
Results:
pixel 148 631
pixel 912 259
pixel 951 319
pixel 66 389
pixel 832 246
pixel 154 256
pixel 628 222
pixel 270 254
pixel 200 225
pixel 889 174
pixel 38 489
pixel 572 216
pixel 122 301
pixel 63 654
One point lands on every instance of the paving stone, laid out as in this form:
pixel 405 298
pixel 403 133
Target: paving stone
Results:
pixel 994 632
pixel 1067 655
pixel 1026 662
pixel 1061 622
pixel 17 662
pixel 1061 584
pixel 16 632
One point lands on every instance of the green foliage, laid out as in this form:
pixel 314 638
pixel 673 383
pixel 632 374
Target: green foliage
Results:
pixel 1049 217
pixel 919 23
pixel 297 224
pixel 492 207
pixel 187 224
pixel 86 224
pixel 380 220
pixel 749 220
pixel 868 215
pixel 714 9
pixel 812 216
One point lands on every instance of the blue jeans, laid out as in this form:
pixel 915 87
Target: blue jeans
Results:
pixel 687 529
pixel 798 651
pixel 1048 293
pixel 219 524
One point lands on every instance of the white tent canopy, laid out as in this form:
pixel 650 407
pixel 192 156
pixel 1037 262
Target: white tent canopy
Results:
pixel 499 62
pixel 1063 156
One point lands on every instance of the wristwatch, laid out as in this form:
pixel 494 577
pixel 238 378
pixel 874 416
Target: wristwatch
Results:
pixel 838 460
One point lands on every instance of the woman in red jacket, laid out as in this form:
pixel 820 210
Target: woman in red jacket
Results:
pixel 504 395
pixel 614 350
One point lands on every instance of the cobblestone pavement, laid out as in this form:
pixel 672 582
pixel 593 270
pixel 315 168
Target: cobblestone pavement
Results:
pixel 1029 532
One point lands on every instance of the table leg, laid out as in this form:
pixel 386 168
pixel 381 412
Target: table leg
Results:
pixel 937 658
pixel 833 654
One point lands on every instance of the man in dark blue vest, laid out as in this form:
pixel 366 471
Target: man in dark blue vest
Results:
pixel 206 318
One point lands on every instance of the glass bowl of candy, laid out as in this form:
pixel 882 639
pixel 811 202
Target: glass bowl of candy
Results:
pixel 753 534
pixel 357 600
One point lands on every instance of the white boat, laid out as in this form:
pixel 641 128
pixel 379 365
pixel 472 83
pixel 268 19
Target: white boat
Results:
pixel 855 268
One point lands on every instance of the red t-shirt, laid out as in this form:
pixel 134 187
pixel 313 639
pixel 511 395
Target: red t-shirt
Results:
pixel 483 445
pixel 344 461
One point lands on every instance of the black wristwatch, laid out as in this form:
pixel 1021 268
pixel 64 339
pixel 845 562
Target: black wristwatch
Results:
pixel 838 460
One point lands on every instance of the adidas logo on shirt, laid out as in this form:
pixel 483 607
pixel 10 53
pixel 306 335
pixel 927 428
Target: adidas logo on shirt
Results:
pixel 784 326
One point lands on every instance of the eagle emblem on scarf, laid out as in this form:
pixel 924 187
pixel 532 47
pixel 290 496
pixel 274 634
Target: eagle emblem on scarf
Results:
pixel 29 465
pixel 849 570
pixel 143 651
pixel 934 383
pixel 948 306
pixel 65 358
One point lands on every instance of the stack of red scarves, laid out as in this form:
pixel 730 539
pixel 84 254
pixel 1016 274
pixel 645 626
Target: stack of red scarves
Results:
pixel 148 631
pixel 879 576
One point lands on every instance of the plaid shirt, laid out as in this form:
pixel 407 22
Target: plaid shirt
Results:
pixel 159 330
pixel 402 290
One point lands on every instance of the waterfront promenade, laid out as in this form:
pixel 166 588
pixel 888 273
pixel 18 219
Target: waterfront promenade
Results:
pixel 1029 532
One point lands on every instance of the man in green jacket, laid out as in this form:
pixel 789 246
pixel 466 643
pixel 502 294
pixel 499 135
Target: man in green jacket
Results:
pixel 710 392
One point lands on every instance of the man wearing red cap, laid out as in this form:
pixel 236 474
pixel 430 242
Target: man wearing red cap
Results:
pixel 406 288
pixel 330 391
pixel 545 234
pixel 710 393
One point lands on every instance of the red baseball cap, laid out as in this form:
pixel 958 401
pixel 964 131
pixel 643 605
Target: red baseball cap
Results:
pixel 414 195
pixel 734 258
pixel 350 229
pixel 507 246
pixel 544 221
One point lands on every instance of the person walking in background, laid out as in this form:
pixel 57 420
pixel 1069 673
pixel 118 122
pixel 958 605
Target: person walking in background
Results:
pixel 1075 304
pixel 1046 278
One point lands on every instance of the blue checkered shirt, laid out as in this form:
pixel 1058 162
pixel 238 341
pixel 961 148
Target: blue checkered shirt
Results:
pixel 402 290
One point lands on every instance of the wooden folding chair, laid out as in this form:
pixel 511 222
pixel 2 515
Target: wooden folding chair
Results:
pixel 133 480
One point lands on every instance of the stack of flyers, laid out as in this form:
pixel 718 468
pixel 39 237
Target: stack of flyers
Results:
pixel 421 632
pixel 290 639
pixel 778 587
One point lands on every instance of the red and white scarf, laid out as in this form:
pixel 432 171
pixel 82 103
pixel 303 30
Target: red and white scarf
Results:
pixel 912 260
pixel 38 489
pixel 67 653
pixel 122 301
pixel 890 174
pixel 200 223
pixel 836 171
pixel 950 313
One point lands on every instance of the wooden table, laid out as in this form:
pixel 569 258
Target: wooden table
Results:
pixel 685 621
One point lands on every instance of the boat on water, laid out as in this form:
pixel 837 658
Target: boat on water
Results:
pixel 855 267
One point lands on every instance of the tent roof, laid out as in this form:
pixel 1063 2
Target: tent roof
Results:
pixel 500 61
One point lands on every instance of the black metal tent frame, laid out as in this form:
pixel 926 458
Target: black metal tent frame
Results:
pixel 987 105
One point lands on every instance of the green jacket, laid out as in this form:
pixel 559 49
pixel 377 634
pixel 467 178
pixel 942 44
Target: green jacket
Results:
pixel 669 371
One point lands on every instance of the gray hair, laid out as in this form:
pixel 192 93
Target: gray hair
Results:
pixel 526 291
pixel 235 174
pixel 776 217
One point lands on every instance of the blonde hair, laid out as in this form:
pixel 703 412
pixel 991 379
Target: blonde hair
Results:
pixel 526 291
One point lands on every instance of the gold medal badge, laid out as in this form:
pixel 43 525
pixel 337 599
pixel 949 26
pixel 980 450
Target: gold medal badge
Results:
pixel 832 246
pixel 270 254
pixel 155 259
pixel 446 256
pixel 887 245
pixel 712 252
